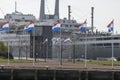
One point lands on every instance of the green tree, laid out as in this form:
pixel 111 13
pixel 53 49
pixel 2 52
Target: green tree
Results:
pixel 3 48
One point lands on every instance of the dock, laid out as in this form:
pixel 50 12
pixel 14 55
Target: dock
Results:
pixel 52 70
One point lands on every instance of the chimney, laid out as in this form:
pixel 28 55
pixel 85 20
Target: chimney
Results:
pixel 42 10
pixel 56 9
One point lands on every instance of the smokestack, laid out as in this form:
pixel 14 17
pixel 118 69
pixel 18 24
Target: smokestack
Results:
pixel 42 10
pixel 57 9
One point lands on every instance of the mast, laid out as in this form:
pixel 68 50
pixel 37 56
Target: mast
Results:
pixel 69 12
pixel 92 18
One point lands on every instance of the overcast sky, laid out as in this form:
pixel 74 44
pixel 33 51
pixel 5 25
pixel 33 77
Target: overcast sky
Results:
pixel 104 10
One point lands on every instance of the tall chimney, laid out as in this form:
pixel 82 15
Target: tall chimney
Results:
pixel 57 9
pixel 42 10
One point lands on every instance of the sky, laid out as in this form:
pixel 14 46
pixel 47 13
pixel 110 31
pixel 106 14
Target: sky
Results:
pixel 104 10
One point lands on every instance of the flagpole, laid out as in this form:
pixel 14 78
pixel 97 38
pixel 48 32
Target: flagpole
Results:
pixel 113 26
pixel 47 52
pixel 60 49
pixel 85 49
pixel 8 55
pixel 112 53
pixel 113 46
pixel 56 28
pixel 30 28
pixel 85 22
pixel 33 48
pixel 45 42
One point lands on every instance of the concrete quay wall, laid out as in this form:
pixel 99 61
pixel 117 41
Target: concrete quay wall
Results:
pixel 57 74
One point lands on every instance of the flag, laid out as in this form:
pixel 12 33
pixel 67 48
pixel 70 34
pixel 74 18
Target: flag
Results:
pixel 67 39
pixel 29 27
pixel 110 26
pixel 56 27
pixel 83 26
pixel 4 26
pixel 45 41
pixel 55 40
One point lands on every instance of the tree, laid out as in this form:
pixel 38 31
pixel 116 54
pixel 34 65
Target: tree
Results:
pixel 3 48
pixel 4 51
